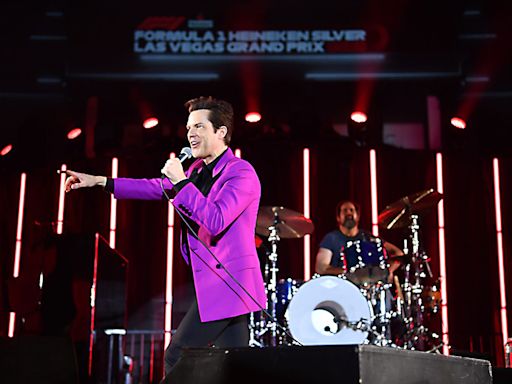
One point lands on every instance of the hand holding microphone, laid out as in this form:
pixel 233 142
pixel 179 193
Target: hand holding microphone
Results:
pixel 173 168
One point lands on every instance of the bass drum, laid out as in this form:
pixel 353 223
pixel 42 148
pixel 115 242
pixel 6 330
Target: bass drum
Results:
pixel 319 312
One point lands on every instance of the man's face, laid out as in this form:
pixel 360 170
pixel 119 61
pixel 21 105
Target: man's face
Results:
pixel 348 218
pixel 204 141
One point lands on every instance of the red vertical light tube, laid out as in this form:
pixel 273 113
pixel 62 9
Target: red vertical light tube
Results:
pixel 442 256
pixel 19 228
pixel 17 252
pixel 307 238
pixel 62 194
pixel 113 207
pixel 499 241
pixel 93 299
pixel 169 272
pixel 373 192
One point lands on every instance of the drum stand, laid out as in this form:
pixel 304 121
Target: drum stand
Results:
pixel 258 329
pixel 273 238
pixel 417 334
pixel 276 222
pixel 379 328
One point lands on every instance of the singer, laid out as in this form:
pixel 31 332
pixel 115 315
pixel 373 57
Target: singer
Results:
pixel 219 196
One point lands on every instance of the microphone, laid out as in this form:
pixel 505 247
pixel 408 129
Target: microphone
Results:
pixel 185 153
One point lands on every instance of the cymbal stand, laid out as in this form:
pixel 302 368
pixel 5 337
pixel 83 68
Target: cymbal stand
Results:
pixel 412 287
pixel 255 331
pixel 418 333
pixel 259 323
pixel 257 320
pixel 409 270
pixel 273 238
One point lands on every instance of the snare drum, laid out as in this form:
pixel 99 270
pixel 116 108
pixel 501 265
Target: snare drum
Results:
pixel 365 261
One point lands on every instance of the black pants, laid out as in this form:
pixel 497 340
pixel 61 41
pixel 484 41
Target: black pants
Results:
pixel 225 333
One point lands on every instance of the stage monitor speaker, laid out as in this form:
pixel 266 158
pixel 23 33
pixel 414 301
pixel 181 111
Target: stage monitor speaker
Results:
pixel 37 359
pixel 349 364
pixel 84 261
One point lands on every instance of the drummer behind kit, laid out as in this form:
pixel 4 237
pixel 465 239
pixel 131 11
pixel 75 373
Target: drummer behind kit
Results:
pixel 357 306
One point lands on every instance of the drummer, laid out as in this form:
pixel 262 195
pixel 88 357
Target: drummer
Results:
pixel 328 260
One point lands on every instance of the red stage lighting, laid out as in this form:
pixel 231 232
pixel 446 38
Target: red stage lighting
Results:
pixel 359 117
pixel 457 122
pixel 501 257
pixel 74 133
pixel 307 212
pixel 5 150
pixel 252 117
pixel 150 122
pixel 373 192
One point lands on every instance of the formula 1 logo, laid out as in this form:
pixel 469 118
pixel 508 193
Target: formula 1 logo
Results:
pixel 166 23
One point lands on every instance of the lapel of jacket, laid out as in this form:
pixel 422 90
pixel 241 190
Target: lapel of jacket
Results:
pixel 196 164
pixel 223 161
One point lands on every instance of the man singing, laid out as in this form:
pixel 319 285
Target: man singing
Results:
pixel 218 196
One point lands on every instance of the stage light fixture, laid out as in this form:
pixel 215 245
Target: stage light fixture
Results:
pixel 457 122
pixel 5 150
pixel 358 117
pixel 150 122
pixel 74 133
pixel 252 117
pixel 358 128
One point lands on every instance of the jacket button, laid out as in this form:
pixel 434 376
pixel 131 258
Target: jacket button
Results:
pixel 218 266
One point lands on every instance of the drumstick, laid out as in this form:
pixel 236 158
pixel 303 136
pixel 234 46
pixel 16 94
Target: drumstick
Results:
pixel 398 288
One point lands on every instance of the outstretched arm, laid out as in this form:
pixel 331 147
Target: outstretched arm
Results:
pixel 146 189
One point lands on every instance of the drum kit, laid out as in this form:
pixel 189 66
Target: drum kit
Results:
pixel 360 306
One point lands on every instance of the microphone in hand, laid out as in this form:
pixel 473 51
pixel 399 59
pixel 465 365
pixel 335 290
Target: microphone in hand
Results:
pixel 185 153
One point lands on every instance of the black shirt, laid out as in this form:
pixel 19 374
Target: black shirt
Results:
pixel 202 177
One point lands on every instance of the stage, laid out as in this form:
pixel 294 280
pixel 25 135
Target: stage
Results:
pixel 321 364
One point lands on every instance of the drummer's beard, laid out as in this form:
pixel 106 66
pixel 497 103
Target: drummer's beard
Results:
pixel 349 223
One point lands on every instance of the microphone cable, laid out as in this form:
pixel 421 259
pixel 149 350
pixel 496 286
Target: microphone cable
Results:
pixel 235 280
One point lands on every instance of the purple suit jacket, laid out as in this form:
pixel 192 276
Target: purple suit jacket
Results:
pixel 227 221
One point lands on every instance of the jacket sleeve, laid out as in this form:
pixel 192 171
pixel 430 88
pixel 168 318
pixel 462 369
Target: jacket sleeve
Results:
pixel 216 212
pixel 141 189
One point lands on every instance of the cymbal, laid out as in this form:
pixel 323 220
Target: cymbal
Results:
pixel 397 215
pixel 290 224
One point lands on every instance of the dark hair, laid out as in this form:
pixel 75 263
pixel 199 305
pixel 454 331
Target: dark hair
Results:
pixel 338 207
pixel 221 113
